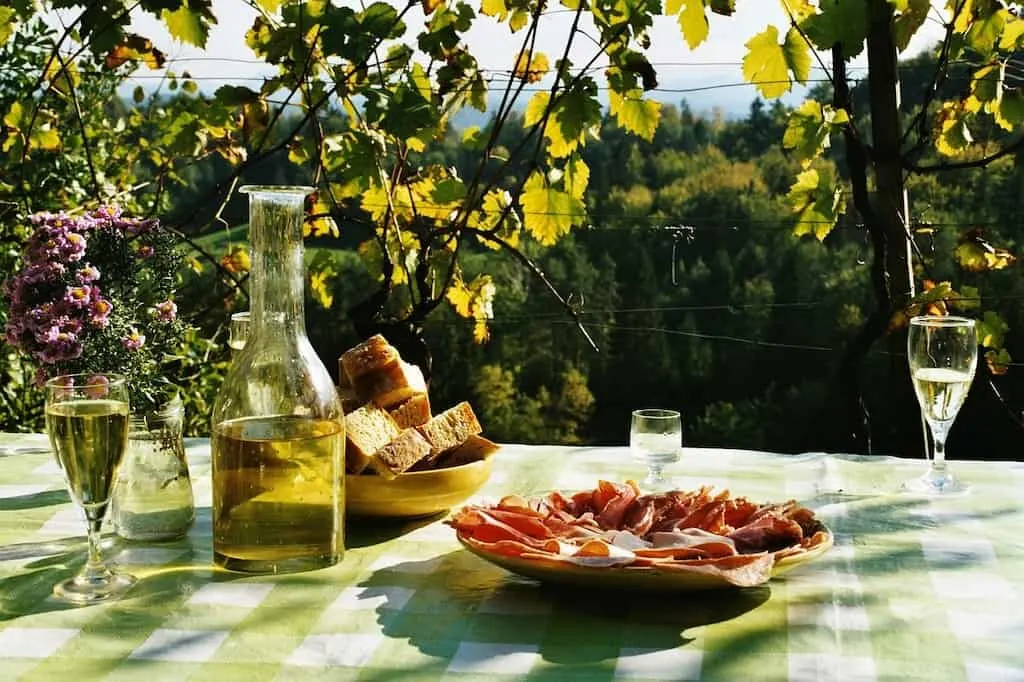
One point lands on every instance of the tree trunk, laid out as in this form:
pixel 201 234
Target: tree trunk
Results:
pixel 890 219
pixel 884 213
pixel 890 205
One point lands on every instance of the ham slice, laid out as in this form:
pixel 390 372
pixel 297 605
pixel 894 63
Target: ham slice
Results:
pixel 707 533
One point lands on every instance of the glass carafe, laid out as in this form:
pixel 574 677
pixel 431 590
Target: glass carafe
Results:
pixel 278 429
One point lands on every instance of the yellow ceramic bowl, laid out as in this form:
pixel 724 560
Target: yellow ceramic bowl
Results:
pixel 415 493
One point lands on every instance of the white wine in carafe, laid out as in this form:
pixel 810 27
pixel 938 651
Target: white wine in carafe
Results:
pixel 277 508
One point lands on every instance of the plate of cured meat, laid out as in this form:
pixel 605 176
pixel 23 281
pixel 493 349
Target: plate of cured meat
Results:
pixel 614 536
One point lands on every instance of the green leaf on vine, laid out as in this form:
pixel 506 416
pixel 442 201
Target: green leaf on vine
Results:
pixel 188 25
pixel 319 222
pixel 7 24
pixel 519 19
pixel 798 55
pixel 693 20
pixel 817 203
pixel 986 89
pixel 975 253
pixel 968 298
pixel 844 22
pixel 269 6
pixel 634 113
pixel 1010 113
pixel 1012 33
pixel 494 8
pixel 912 14
pixel 810 128
pixel 724 8
pixel 577 176
pixel 235 95
pixel 953 135
pixel 992 330
pixel 986 30
pixel 798 9
pixel 548 214
pixel 765 64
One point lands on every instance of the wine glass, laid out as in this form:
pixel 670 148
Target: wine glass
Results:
pixel 87 422
pixel 238 331
pixel 656 438
pixel 942 352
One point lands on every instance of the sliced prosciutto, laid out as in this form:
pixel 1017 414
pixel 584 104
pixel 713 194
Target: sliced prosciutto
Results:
pixel 702 532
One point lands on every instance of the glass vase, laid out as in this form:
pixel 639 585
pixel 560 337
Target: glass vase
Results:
pixel 152 500
pixel 278 430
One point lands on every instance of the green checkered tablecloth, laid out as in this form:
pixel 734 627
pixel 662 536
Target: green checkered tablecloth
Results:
pixel 913 590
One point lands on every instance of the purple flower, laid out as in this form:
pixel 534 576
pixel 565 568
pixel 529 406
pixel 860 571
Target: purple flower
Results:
pixel 99 312
pixel 166 311
pixel 72 247
pixel 42 273
pixel 88 273
pixel 65 346
pixel 134 341
pixel 78 297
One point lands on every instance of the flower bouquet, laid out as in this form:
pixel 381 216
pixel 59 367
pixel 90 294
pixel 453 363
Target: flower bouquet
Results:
pixel 95 294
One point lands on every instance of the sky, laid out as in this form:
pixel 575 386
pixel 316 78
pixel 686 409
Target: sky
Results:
pixel 682 73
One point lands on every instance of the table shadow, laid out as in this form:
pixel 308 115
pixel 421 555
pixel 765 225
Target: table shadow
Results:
pixel 366 531
pixel 47 498
pixel 584 625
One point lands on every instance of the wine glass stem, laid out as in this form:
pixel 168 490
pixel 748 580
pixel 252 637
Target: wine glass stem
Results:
pixel 94 567
pixel 939 431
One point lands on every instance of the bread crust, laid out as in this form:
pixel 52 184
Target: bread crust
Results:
pixel 450 429
pixel 367 429
pixel 413 412
pixel 401 453
pixel 372 355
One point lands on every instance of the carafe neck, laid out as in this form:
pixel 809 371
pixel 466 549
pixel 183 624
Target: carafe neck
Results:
pixel 278 274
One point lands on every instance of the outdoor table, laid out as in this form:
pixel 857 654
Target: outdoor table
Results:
pixel 914 589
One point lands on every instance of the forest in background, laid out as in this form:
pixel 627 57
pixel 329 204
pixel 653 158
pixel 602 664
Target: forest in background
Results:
pixel 695 290
pixel 670 234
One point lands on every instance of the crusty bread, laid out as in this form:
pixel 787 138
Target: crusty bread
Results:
pixel 391 385
pixel 372 355
pixel 413 412
pixel 474 449
pixel 367 429
pixel 450 429
pixel 405 450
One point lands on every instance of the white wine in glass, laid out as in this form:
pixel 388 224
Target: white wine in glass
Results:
pixel 942 352
pixel 87 422
pixel 656 439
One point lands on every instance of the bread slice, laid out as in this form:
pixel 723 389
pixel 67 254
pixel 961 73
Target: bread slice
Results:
pixel 413 412
pixel 475 448
pixel 450 429
pixel 367 429
pixel 391 385
pixel 372 355
pixel 405 450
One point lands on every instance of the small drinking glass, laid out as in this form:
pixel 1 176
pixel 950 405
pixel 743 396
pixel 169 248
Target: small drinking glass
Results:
pixel 238 332
pixel 656 439
pixel 87 422
pixel 942 352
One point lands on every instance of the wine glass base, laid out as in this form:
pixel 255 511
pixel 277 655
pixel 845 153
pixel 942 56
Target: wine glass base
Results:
pixel 656 484
pixel 932 483
pixel 85 590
